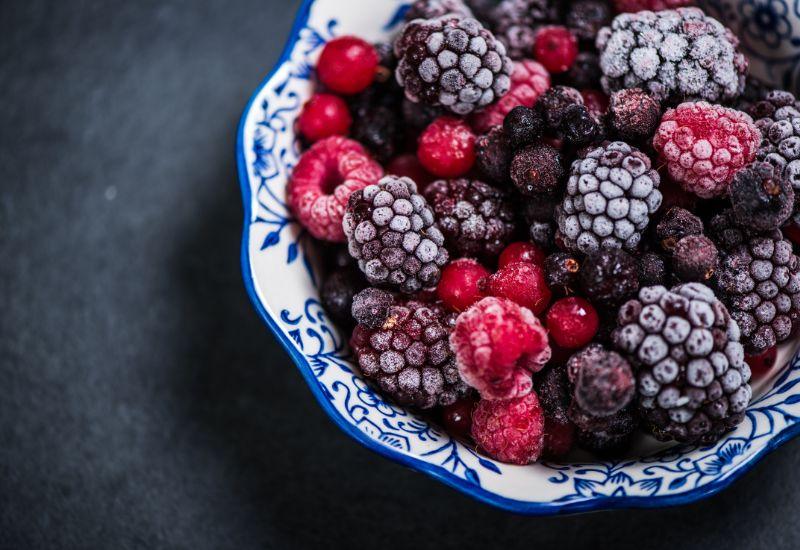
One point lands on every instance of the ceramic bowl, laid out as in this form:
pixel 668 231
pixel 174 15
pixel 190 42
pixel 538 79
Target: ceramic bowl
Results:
pixel 279 263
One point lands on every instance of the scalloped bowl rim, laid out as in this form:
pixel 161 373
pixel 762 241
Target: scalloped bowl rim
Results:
pixel 597 503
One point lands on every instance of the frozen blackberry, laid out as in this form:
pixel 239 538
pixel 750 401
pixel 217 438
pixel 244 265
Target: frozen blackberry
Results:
pixel 409 358
pixel 652 269
pixel 476 219
pixel 523 126
pixel 675 224
pixel 675 55
pixel 779 122
pixel 761 198
pixel 609 276
pixel 552 104
pixel 694 258
pixel 759 281
pixel 453 62
pixel 585 18
pixel 579 127
pixel 493 155
pixel 603 381
pixel 634 114
pixel 561 271
pixel 515 23
pixel 611 193
pixel 391 231
pixel 585 71
pixel 536 170
pixel 370 307
pixel 684 346
pixel 336 294
pixel 430 9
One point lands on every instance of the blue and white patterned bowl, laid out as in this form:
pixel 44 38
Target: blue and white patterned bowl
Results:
pixel 281 276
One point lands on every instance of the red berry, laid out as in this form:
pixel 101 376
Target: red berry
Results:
pixel 347 65
pixel 556 48
pixel 447 147
pixel 521 252
pixel 408 165
pixel 558 437
pixel 510 430
pixel 572 322
pixel 762 363
pixel 459 284
pixel 324 115
pixel 596 102
pixel 457 418
pixel 521 282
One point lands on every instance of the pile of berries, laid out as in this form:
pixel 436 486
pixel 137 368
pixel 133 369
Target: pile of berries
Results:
pixel 507 252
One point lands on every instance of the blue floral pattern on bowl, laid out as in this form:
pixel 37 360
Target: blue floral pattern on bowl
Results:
pixel 281 275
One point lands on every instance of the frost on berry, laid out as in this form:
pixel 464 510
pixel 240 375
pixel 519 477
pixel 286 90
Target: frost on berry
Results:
pixel 498 344
pixel 510 430
pixel 704 145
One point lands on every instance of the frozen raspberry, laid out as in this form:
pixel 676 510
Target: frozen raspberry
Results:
pixel 347 64
pixel 561 272
pixel 510 430
pixel 704 145
pixel 521 282
pixel 585 18
pixel 459 286
pixel 558 438
pixel 322 181
pixel 556 48
pixel 336 294
pixel 523 126
pixel 370 307
pixel 634 114
pixel 633 6
pixel 537 170
pixel 694 258
pixel 498 344
pixel 408 165
pixel 447 147
pixel 521 252
pixel 430 9
pixel 761 198
pixel 762 363
pixel 477 219
pixel 528 81
pixel 675 224
pixel 493 155
pixel 609 276
pixel 457 417
pixel 603 381
pixel 572 322
pixel 324 115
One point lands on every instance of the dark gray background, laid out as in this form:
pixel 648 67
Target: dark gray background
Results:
pixel 144 404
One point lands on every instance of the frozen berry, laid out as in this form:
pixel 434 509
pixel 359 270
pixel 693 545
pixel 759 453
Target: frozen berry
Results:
pixel 510 430
pixel 324 115
pixel 554 102
pixel 596 102
pixel 537 169
pixel 493 155
pixel 337 294
pixel 652 269
pixel 498 344
pixel 572 322
pixel 675 224
pixel 430 9
pixel 585 18
pixel 447 147
pixel 522 126
pixel 579 127
pixel 762 363
pixel 553 390
pixel 521 282
pixel 761 199
pixel 408 165
pixel 694 258
pixel 459 286
pixel 585 72
pixel 603 381
pixel 558 437
pixel 556 48
pixel 457 417
pixel 528 81
pixel 609 276
pixel 561 272
pixel 347 65
pixel 704 145
pixel 371 306
pixel 521 252
pixel 633 114
pixel 322 182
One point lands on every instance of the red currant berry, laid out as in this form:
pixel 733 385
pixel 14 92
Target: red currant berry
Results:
pixel 459 284
pixel 556 48
pixel 521 252
pixel 408 165
pixel 347 65
pixel 522 283
pixel 762 363
pixel 572 322
pixel 596 102
pixel 558 438
pixel 447 147
pixel 457 418
pixel 324 115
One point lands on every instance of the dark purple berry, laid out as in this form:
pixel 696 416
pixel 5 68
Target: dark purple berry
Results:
pixel 522 126
pixel 675 224
pixel 371 306
pixel 633 114
pixel 609 276
pixel 694 258
pixel 579 127
pixel 337 292
pixel 561 271
pixel 537 169
pixel 761 199
pixel 493 155
pixel 652 269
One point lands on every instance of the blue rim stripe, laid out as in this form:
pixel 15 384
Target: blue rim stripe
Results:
pixel 437 472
